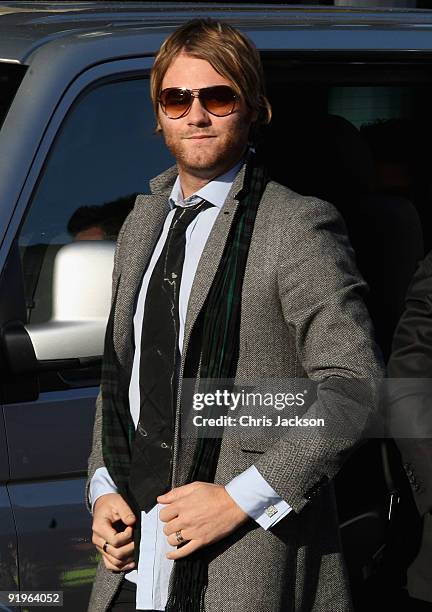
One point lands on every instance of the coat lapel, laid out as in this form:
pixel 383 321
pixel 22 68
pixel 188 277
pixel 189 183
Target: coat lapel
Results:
pixel 205 273
pixel 147 219
pixel 211 256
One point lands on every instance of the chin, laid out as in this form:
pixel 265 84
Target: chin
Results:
pixel 203 162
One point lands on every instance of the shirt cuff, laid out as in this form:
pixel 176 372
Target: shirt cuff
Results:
pixel 100 484
pixel 257 498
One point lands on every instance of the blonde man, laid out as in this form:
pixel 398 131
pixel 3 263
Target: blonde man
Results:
pixel 222 273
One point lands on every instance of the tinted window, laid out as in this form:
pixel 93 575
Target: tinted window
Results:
pixel 11 76
pixel 104 155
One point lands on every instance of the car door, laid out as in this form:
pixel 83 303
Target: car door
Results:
pixel 98 152
pixel 8 541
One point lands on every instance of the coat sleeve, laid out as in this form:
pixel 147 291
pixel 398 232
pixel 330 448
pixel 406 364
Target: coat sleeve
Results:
pixel 321 295
pixel 409 389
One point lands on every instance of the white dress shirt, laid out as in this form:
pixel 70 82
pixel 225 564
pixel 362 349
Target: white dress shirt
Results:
pixel 249 489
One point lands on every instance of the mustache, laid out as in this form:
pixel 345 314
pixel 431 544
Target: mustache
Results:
pixel 199 135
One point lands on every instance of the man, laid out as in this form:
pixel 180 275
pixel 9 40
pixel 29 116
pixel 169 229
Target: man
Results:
pixel 222 274
pixel 100 222
pixel 410 423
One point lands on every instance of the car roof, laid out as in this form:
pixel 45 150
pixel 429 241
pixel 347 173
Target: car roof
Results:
pixel 25 27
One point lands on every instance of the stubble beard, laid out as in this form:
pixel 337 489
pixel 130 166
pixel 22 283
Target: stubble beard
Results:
pixel 191 159
pixel 210 160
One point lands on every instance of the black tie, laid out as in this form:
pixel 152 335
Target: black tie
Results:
pixel 150 472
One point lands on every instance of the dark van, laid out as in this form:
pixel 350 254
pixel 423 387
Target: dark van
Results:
pixel 351 91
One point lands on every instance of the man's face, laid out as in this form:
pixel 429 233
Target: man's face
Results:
pixel 203 145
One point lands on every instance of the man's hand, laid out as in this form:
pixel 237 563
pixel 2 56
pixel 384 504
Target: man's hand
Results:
pixel 107 510
pixel 204 512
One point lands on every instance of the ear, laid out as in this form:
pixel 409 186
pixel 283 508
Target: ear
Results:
pixel 159 120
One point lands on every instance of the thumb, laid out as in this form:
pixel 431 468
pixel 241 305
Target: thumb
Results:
pixel 124 512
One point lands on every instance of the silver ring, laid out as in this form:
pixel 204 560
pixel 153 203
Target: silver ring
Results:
pixel 105 547
pixel 179 536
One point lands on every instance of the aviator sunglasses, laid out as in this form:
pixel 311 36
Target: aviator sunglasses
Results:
pixel 218 100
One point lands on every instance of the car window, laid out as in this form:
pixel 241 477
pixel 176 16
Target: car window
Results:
pixel 356 135
pixel 366 104
pixel 104 155
pixel 11 76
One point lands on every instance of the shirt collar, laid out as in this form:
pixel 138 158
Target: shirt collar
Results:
pixel 215 192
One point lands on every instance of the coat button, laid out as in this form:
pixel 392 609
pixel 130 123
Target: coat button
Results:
pixel 164 445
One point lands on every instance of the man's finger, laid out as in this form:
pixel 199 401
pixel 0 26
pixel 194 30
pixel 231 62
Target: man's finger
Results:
pixel 122 511
pixel 187 537
pixel 172 526
pixel 118 562
pixel 116 568
pixel 102 528
pixel 178 492
pixel 117 552
pixel 113 506
pixel 184 550
pixel 169 497
pixel 121 538
pixel 168 513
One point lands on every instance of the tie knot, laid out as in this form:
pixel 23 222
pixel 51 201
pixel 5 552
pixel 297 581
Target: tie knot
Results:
pixel 184 215
pixel 193 200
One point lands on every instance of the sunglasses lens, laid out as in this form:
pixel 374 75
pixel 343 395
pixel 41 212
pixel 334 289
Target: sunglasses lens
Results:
pixel 218 100
pixel 175 102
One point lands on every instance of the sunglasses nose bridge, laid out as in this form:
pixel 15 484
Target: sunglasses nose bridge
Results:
pixel 195 93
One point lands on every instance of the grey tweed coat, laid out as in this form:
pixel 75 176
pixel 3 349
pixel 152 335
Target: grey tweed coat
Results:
pixel 302 316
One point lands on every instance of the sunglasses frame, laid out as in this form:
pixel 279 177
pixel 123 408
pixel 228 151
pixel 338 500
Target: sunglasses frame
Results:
pixel 195 93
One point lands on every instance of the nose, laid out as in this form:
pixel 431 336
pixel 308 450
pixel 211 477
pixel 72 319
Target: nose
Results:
pixel 198 114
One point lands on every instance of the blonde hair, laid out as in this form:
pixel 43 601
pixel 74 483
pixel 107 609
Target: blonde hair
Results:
pixel 228 51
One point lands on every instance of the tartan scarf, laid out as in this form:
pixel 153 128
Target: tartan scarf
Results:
pixel 219 337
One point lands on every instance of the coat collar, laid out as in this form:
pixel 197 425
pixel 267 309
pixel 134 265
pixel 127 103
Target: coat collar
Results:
pixel 164 182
